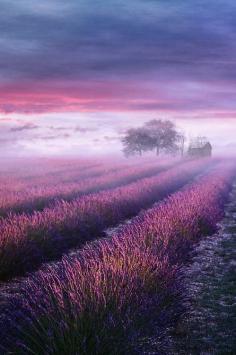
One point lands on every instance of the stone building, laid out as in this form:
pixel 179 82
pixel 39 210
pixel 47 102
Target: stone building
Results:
pixel 200 148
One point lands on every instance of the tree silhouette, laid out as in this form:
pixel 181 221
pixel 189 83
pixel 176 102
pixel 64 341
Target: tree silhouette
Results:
pixel 136 141
pixel 163 135
pixel 158 135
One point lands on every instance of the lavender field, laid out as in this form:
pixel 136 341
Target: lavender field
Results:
pixel 93 255
pixel 117 177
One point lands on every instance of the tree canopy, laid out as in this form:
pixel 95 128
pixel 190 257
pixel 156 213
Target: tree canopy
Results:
pixel 136 141
pixel 158 135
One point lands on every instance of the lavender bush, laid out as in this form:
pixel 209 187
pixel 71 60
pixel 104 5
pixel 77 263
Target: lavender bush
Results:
pixel 29 240
pixel 90 302
pixel 23 195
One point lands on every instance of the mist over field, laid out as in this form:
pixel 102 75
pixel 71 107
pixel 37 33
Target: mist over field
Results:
pixel 98 134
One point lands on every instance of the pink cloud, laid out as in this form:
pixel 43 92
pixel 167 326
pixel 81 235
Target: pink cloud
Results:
pixel 118 96
pixel 93 96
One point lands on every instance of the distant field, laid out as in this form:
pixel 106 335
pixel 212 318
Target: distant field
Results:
pixel 23 192
pixel 80 290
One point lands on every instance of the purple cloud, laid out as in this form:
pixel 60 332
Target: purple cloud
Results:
pixel 25 127
pixel 109 55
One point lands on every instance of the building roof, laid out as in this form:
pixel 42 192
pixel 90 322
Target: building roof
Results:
pixel 197 145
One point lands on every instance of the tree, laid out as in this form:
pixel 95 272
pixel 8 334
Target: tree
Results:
pixel 163 135
pixel 158 135
pixel 136 141
pixel 181 141
pixel 199 141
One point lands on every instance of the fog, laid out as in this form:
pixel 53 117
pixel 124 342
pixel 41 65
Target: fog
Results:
pixel 99 133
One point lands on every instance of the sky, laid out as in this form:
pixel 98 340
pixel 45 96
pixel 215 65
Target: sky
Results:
pixel 74 75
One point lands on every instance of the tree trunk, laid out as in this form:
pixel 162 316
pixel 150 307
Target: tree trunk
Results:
pixel 182 148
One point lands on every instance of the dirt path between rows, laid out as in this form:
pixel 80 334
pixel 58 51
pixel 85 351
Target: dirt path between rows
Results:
pixel 209 326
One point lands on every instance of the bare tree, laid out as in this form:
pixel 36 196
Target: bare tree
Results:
pixel 181 141
pixel 199 141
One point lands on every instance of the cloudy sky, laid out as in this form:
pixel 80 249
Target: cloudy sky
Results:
pixel 75 74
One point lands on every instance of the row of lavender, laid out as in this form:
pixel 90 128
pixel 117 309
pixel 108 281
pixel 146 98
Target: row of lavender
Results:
pixel 29 240
pixel 94 301
pixel 27 173
pixel 81 182
pixel 19 181
pixel 38 173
